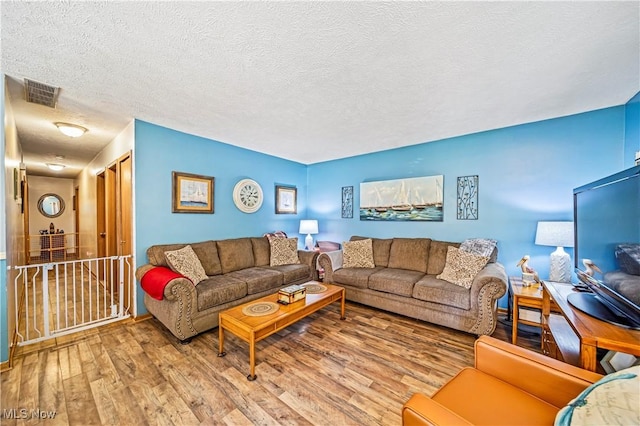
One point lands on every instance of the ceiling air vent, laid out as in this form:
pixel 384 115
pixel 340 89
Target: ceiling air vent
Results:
pixel 39 93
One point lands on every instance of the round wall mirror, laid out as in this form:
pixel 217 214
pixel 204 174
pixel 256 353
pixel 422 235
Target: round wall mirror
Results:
pixel 51 205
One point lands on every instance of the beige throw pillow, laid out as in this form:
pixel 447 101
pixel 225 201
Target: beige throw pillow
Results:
pixel 186 262
pixel 462 267
pixel 284 251
pixel 358 254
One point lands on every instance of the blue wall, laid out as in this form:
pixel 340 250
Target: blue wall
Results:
pixel 631 130
pixel 159 151
pixel 526 174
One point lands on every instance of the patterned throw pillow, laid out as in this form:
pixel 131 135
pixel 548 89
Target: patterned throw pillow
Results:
pixel 284 251
pixel 612 400
pixel 358 254
pixel 186 262
pixel 462 267
pixel 479 246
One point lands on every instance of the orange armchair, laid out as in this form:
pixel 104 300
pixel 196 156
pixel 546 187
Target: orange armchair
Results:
pixel 508 385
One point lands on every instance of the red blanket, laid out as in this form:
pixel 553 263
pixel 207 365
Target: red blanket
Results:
pixel 156 279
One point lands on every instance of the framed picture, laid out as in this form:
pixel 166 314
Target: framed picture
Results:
pixel 192 193
pixel 347 202
pixel 15 184
pixel 409 199
pixel 286 200
pixel 467 199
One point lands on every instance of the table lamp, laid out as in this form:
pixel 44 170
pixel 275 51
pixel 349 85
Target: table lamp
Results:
pixel 308 227
pixel 560 235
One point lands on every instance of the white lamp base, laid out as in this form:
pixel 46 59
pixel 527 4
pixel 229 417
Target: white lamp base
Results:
pixel 308 242
pixel 560 269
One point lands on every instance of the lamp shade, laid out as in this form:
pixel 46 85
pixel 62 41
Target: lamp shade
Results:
pixel 308 226
pixel 556 234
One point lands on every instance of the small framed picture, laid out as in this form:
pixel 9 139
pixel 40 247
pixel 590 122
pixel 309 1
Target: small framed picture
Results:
pixel 286 200
pixel 347 202
pixel 192 193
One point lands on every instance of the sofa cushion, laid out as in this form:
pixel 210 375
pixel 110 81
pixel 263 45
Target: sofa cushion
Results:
pixel 261 251
pixel 431 289
pixel 462 267
pixel 395 281
pixel 381 248
pixel 185 262
pixel 284 251
pixel 206 251
pixel 259 279
pixel 357 254
pixel 480 246
pixel 356 277
pixel 438 256
pixel 410 253
pixel 220 289
pixel 235 254
pixel 293 273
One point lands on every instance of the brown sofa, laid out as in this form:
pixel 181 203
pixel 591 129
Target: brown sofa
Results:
pixel 238 271
pixel 404 281
pixel 508 385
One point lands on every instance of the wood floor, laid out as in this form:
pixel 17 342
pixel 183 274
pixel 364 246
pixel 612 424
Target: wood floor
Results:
pixel 318 371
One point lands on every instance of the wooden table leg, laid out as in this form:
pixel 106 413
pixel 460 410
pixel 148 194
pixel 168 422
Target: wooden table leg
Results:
pixel 342 302
pixel 515 314
pixel 252 357
pixel 221 351
pixel 588 357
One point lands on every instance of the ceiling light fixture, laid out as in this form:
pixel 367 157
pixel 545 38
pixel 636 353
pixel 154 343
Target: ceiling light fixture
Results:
pixel 55 167
pixel 71 130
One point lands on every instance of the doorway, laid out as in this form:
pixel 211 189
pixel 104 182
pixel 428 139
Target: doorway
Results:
pixel 115 217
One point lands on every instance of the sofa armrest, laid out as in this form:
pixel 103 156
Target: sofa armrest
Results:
pixel 422 410
pixel 330 262
pixel 309 258
pixel 551 380
pixel 487 287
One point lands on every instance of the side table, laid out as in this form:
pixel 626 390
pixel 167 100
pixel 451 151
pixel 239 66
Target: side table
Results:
pixel 529 297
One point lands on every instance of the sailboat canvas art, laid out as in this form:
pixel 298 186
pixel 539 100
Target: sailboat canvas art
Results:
pixel 410 199
pixel 192 193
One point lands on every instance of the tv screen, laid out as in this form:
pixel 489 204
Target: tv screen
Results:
pixel 607 229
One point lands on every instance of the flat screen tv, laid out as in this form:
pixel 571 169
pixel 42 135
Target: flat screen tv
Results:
pixel 607 228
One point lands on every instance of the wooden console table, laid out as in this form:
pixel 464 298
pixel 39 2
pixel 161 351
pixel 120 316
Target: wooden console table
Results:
pixel 574 336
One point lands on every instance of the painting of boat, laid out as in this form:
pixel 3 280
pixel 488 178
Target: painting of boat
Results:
pixel 191 193
pixel 410 199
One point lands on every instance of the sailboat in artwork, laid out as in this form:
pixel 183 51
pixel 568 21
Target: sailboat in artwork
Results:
pixel 420 205
pixel 403 204
pixel 439 197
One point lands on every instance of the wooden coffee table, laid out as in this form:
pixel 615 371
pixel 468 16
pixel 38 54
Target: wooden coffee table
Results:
pixel 252 329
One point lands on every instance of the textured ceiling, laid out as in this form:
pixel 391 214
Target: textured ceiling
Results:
pixel 312 81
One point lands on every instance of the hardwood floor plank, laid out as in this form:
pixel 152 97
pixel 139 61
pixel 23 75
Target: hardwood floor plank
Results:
pixel 173 405
pixel 126 407
pixel 51 391
pixel 318 371
pixel 10 382
pixel 81 407
pixel 104 404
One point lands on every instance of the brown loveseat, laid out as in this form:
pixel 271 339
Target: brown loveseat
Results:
pixel 404 281
pixel 237 271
